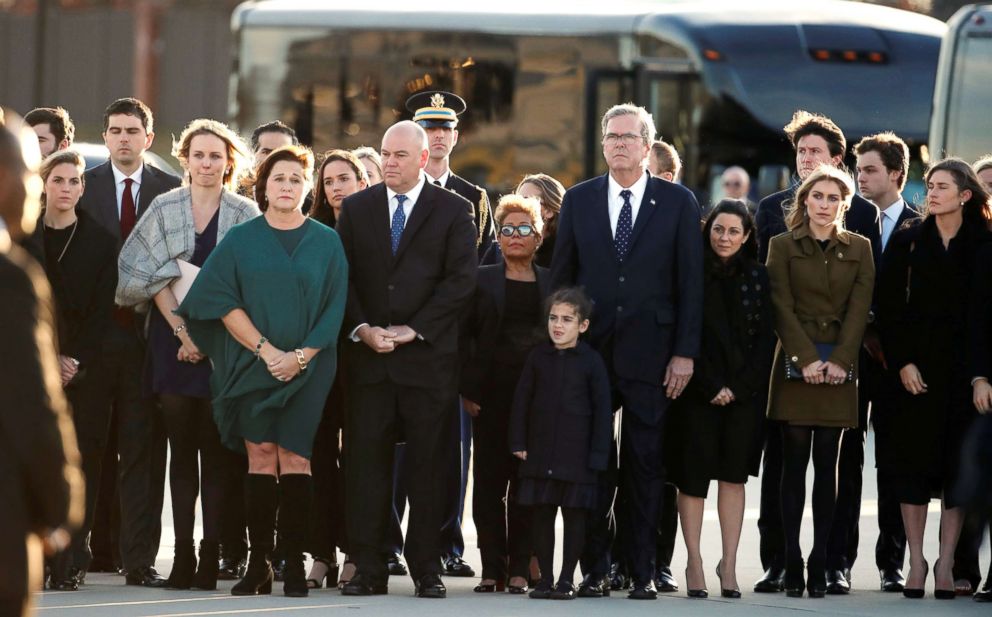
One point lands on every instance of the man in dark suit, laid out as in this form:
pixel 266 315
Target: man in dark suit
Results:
pixel 117 193
pixel 42 488
pixel 817 141
pixel 882 166
pixel 634 243
pixel 410 248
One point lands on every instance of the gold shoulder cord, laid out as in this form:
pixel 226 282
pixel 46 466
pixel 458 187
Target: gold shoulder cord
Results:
pixel 483 216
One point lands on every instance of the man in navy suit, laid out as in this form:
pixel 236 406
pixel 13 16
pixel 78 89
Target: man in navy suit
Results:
pixel 817 141
pixel 634 243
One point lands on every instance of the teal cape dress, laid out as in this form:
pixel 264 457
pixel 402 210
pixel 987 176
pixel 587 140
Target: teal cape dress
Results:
pixel 295 300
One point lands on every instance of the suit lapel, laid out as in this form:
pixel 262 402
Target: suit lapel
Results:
pixel 150 189
pixel 499 287
pixel 602 202
pixel 644 213
pixel 421 210
pixel 379 211
pixel 106 198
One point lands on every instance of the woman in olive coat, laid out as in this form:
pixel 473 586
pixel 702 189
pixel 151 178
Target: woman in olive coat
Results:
pixel 822 278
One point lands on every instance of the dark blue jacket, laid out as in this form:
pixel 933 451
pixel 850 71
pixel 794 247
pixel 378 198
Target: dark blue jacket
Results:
pixel 648 308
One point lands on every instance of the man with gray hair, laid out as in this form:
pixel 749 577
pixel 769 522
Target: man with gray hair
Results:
pixel 633 242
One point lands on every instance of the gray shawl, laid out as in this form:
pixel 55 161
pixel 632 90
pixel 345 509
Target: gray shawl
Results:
pixel 165 233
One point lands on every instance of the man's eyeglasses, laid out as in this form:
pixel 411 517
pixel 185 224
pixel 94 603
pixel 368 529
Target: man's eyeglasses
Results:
pixel 628 139
pixel 523 230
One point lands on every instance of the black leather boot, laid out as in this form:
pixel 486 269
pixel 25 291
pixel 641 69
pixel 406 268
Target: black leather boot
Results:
pixel 261 501
pixel 183 566
pixel 296 500
pixel 208 566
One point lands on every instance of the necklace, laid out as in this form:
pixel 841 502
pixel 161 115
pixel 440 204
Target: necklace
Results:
pixel 72 234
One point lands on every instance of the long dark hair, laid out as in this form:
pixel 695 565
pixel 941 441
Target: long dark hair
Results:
pixel 748 251
pixel 977 211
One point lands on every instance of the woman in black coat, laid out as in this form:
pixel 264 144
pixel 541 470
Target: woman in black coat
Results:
pixel 923 300
pixel 717 425
pixel 505 323
pixel 80 260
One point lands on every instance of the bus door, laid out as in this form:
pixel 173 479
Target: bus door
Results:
pixel 670 90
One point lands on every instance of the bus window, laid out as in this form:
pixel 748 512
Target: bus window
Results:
pixel 970 94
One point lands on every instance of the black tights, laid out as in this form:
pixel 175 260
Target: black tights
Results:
pixel 543 531
pixel 796 447
pixel 190 425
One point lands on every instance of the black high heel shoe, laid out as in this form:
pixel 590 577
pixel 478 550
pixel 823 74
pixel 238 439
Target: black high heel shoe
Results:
pixel 489 587
pixel 915 593
pixel 725 593
pixel 794 582
pixel 697 594
pixel 330 576
pixel 941 594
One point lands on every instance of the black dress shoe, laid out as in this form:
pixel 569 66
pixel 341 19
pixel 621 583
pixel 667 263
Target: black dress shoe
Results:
pixel 395 565
pixel 563 591
pixel 100 564
pixel 773 581
pixel 985 595
pixel 618 577
pixel 593 587
pixel 664 580
pixel 816 580
pixel 361 585
pixel 892 581
pixel 515 590
pixel 232 568
pixel 542 591
pixel 456 566
pixel 490 587
pixel 837 584
pixel 643 592
pixel 145 576
pixel 430 586
pixel 794 580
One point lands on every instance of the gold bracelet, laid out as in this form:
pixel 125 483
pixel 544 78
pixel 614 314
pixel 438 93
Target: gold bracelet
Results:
pixel 301 359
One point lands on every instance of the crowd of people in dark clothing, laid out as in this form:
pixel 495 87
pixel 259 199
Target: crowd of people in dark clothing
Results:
pixel 320 341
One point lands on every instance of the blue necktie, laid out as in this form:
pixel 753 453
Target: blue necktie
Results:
pixel 399 219
pixel 624 226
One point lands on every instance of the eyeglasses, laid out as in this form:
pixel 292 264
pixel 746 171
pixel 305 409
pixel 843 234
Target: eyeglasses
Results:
pixel 523 230
pixel 629 139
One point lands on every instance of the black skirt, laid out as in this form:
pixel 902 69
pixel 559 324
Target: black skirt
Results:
pixel 535 491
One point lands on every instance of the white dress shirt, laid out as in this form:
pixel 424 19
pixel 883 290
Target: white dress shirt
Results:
pixel 890 217
pixel 411 200
pixel 119 178
pixel 615 201
pixel 443 178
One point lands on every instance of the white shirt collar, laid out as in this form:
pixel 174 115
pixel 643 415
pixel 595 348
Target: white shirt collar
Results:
pixel 895 209
pixel 443 178
pixel 119 176
pixel 637 189
pixel 413 194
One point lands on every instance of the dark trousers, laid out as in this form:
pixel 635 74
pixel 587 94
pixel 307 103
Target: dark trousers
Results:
pixel 601 523
pixel 842 548
pixel 105 528
pixel 668 522
pixel 327 519
pixel 377 415
pixel 16 607
pixel 771 544
pixel 394 543
pixel 458 453
pixel 200 466
pixel 502 524
pixel 966 565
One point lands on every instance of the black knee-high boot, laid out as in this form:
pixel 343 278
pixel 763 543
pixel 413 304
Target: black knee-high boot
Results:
pixel 261 501
pixel 296 498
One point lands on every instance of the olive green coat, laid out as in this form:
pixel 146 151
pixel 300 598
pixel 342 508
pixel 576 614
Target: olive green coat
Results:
pixel 819 296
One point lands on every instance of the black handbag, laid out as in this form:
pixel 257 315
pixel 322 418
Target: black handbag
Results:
pixel 824 350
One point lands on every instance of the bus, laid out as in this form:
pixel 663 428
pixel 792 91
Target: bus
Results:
pixel 720 80
pixel 961 125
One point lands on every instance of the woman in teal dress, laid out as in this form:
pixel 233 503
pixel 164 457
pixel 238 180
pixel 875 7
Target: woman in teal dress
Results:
pixel 266 309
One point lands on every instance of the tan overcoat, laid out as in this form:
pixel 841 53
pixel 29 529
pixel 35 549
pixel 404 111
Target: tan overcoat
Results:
pixel 820 296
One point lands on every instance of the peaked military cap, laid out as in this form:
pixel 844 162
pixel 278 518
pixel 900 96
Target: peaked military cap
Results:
pixel 436 108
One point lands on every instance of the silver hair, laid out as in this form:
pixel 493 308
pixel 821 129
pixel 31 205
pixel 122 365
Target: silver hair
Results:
pixel 629 109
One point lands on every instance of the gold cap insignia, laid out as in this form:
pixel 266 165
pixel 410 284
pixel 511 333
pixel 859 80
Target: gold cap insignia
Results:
pixel 437 101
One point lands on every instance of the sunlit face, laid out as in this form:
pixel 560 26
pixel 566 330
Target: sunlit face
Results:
pixel 564 325
pixel 338 182
pixel 735 184
pixel 811 152
pixel 441 141
pixel 986 178
pixel 943 195
pixel 529 189
pixel 47 141
pixel 64 187
pixel 375 177
pixel 286 187
pixel 874 179
pixel 126 139
pixel 824 203
pixel 517 246
pixel 403 156
pixel 623 146
pixel 269 142
pixel 727 235
pixel 207 161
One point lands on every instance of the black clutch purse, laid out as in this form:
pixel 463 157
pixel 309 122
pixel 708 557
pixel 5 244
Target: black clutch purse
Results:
pixel 795 373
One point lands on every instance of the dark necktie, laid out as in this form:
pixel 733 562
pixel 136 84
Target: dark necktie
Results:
pixel 438 183
pixel 399 219
pixel 624 226
pixel 129 214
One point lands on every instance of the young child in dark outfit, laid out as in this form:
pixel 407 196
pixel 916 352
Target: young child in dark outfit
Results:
pixel 560 428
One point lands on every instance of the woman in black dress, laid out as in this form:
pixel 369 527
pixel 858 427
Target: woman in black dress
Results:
pixel 717 426
pixel 549 192
pixel 505 323
pixel 923 299
pixel 81 264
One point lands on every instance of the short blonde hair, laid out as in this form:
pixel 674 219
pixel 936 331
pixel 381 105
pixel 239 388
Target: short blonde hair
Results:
pixel 797 211
pixel 237 151
pixel 510 204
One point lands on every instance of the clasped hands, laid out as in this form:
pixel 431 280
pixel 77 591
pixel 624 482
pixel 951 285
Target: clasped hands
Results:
pixel 820 372
pixel 188 351
pixel 282 365
pixel 385 340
